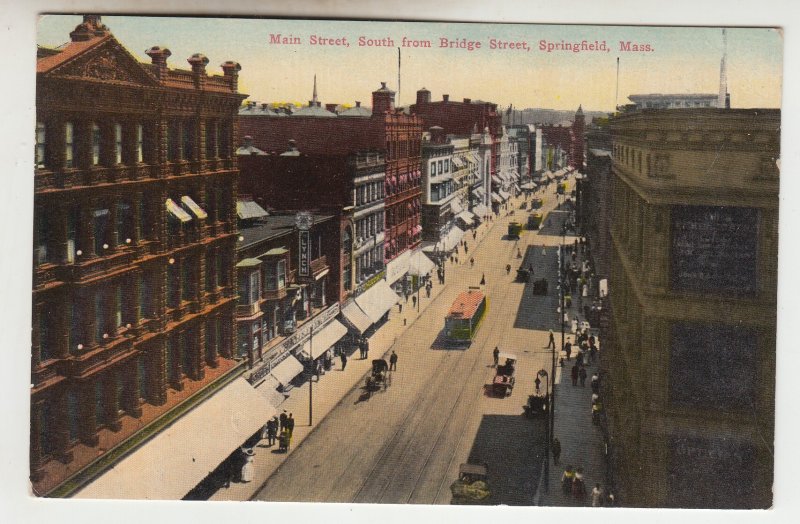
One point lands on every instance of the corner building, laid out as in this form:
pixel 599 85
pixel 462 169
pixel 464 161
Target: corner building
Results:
pixel 690 356
pixel 133 267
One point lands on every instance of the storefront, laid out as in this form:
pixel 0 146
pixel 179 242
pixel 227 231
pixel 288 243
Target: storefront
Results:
pixel 377 301
pixel 208 433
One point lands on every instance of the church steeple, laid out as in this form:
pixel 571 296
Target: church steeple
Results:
pixel 314 96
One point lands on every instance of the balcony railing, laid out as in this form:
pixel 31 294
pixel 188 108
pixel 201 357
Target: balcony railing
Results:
pixel 84 269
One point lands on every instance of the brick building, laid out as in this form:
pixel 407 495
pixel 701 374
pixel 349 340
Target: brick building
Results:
pixel 351 187
pixel 134 235
pixel 396 135
pixel 566 142
pixel 466 118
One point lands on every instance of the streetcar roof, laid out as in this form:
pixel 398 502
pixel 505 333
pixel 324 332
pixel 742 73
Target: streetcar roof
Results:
pixel 466 304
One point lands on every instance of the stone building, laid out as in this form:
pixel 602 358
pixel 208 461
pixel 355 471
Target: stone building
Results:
pixel 133 267
pixel 690 357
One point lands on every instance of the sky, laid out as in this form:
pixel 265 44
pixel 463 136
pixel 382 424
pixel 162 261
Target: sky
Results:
pixel 681 59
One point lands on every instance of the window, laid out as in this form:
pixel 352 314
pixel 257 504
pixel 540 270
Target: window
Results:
pixel 433 168
pixel 117 143
pixel 139 143
pixel 174 148
pixel 275 275
pixel 142 377
pixel 188 141
pixel 95 144
pixel 187 361
pixel 211 139
pixel 72 415
pixel 69 144
pixel 118 306
pixel 42 234
pixel 102 231
pixel 125 228
pixel 39 160
pixel 46 427
pixel 99 404
pixel 173 286
pixel 212 339
pixel 346 278
pixel 447 166
pixel 172 360
pixel 100 317
pixel 187 280
pixel 45 344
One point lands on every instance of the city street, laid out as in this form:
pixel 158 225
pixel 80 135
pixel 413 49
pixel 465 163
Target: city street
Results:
pixel 404 444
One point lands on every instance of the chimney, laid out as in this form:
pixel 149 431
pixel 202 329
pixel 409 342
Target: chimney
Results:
pixel 159 57
pixel 423 96
pixel 467 100
pixel 727 100
pixel 382 100
pixel 92 26
pixel 248 141
pixel 198 62
pixel 231 72
pixel 331 107
pixel 358 103
pixel 445 98
pixel 265 107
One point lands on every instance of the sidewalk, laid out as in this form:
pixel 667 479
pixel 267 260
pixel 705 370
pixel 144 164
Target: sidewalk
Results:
pixel 582 444
pixel 332 388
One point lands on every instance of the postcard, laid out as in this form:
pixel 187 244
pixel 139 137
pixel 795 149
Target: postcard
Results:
pixel 310 260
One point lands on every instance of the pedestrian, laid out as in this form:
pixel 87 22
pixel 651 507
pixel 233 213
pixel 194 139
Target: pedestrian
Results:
pixel 556 449
pixel 451 259
pixel 568 348
pixel 414 301
pixel 552 342
pixel 283 418
pixel 344 361
pixel 508 269
pixel 428 291
pixel 474 235
pixel 466 249
pixel 566 480
pixel 537 383
pixel 290 424
pixel 595 383
pixel 592 354
pixel 393 361
pixel 496 355
pixel 248 469
pixel 472 262
pixel 399 307
pixel 597 496
pixel 578 486
pixel 366 349
pixel 456 257
pixel 582 375
pixel 579 358
pixel 272 431
pixel 575 374
pixel 284 440
pixel 483 279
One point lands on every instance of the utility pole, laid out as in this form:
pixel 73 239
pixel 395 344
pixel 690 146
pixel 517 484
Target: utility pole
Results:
pixel 311 379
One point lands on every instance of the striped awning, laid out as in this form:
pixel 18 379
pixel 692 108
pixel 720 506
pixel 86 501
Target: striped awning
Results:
pixel 177 211
pixel 194 208
pixel 247 209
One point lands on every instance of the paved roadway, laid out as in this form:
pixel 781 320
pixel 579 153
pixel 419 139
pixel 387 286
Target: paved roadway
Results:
pixel 404 444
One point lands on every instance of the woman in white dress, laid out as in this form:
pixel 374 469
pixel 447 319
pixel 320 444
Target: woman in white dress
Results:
pixel 248 469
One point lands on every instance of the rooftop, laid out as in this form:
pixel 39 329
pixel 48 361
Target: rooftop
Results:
pixel 466 304
pixel 273 226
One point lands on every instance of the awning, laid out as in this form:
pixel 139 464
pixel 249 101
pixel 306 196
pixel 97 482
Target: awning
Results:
pixel 356 317
pixel 397 267
pixel 289 368
pixel 496 198
pixel 173 462
pixel 504 195
pixel 448 242
pixel 420 265
pixel 247 209
pixel 269 388
pixel 249 262
pixel 455 207
pixel 377 300
pixel 194 208
pixel 515 186
pixel 472 157
pixel 177 211
pixel 324 339
pixel 480 192
pixel 480 211
pixel 466 217
pixel 528 186
pixel 458 162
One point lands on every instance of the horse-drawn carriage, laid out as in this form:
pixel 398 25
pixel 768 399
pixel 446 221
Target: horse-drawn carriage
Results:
pixel 380 375
pixel 504 379
pixel 536 406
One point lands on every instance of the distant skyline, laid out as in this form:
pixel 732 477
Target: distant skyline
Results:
pixel 682 60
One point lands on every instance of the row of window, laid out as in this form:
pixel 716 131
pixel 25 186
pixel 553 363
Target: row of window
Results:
pixel 369 263
pixel 370 225
pixel 632 158
pixel 368 193
pixel 111 224
pixel 90 143
pixel 440 167
pixel 101 314
pixel 403 148
pixel 119 391
pixel 442 190
pixel 252 283
pixel 396 215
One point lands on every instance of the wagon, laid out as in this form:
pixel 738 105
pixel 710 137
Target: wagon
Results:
pixel 472 486
pixel 380 375
pixel 503 383
pixel 514 229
